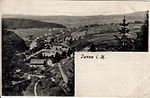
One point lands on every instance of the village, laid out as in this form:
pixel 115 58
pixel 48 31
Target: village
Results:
pixel 52 57
pixel 47 54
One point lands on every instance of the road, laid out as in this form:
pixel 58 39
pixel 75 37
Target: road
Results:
pixel 65 78
pixel 35 87
pixel 28 57
pixel 63 73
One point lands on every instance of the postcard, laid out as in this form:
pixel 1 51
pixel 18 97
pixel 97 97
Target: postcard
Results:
pixel 75 48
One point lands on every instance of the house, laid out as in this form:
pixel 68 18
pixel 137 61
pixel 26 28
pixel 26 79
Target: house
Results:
pixel 57 47
pixel 49 38
pixel 18 70
pixel 40 63
pixel 86 49
pixel 65 47
pixel 49 62
pixel 37 63
pixel 33 44
pixel 80 34
pixel 48 53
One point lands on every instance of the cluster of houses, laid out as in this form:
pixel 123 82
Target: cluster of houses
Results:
pixel 51 44
pixel 39 59
pixel 50 48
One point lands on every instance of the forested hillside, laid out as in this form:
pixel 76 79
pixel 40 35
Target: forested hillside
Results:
pixel 14 23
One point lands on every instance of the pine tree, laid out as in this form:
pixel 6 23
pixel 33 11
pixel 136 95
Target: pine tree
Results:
pixel 141 41
pixel 124 43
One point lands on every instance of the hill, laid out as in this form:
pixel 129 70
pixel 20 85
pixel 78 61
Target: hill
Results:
pixel 84 20
pixel 11 44
pixel 15 23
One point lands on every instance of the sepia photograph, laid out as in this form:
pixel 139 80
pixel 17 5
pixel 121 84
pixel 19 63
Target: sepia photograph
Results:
pixel 39 43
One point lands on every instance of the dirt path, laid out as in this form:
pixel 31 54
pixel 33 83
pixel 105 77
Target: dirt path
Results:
pixel 35 88
pixel 65 78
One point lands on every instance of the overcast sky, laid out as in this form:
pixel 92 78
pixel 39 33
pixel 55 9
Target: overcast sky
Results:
pixel 73 8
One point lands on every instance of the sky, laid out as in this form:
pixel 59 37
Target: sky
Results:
pixel 71 8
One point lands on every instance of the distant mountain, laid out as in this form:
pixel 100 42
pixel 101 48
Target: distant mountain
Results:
pixel 18 23
pixel 83 20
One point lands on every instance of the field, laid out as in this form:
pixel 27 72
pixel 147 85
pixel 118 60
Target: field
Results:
pixel 105 34
pixel 36 32
pixel 100 35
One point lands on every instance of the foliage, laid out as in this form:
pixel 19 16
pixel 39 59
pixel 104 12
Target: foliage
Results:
pixel 57 57
pixel 124 43
pixel 141 41
pixel 64 54
pixel 92 48
pixel 11 45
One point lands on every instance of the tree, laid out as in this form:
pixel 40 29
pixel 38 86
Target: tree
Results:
pixel 141 41
pixel 71 41
pixel 12 45
pixel 69 52
pixel 124 43
pixel 4 29
pixel 30 37
pixel 92 48
pixel 57 57
pixel 40 43
pixel 73 49
pixel 64 54
pixel 52 58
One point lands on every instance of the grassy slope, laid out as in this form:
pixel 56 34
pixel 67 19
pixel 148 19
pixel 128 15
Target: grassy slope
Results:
pixel 104 34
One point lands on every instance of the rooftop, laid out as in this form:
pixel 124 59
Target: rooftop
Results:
pixel 37 61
